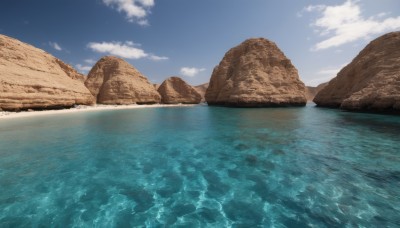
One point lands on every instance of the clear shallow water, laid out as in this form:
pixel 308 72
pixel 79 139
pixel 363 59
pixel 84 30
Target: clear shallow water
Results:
pixel 201 167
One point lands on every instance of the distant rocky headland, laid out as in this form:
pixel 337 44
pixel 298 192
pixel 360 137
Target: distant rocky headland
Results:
pixel 256 73
pixel 201 89
pixel 311 91
pixel 174 91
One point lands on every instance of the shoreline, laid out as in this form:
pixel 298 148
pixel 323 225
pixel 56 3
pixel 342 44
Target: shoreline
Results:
pixel 83 108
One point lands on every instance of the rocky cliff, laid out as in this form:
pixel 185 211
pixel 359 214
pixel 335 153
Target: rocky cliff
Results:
pixel 114 81
pixel 31 78
pixel 201 89
pixel 174 91
pixel 371 82
pixel 255 74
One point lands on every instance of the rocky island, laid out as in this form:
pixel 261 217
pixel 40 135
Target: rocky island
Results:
pixel 114 81
pixel 255 73
pixel 174 90
pixel 371 82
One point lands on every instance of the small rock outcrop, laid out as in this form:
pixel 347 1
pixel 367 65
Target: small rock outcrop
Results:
pixel 311 91
pixel 174 90
pixel 31 78
pixel 201 89
pixel 371 82
pixel 114 81
pixel 255 74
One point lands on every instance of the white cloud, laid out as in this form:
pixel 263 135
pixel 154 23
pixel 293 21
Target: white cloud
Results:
pixel 325 75
pixel 191 71
pixel 131 43
pixel 328 71
pixel 55 46
pixel 83 69
pixel 135 10
pixel 143 23
pixel 126 50
pixel 342 24
pixel 311 8
pixel 331 70
pixel 90 61
pixel 157 58
pixel 319 80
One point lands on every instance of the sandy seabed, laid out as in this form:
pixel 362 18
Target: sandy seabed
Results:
pixel 83 108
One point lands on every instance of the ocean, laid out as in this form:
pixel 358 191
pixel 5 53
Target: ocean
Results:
pixel 201 167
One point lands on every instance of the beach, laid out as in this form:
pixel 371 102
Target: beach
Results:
pixel 83 108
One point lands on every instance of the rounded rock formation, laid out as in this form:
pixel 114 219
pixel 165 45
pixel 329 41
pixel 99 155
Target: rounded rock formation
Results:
pixel 114 81
pixel 371 82
pixel 255 74
pixel 31 78
pixel 174 90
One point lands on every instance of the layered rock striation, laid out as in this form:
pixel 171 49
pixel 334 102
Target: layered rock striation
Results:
pixel 256 73
pixel 174 90
pixel 31 78
pixel 114 81
pixel 371 82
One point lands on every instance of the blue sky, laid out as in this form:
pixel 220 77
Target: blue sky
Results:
pixel 188 38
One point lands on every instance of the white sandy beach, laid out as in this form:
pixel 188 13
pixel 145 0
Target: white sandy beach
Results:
pixel 82 108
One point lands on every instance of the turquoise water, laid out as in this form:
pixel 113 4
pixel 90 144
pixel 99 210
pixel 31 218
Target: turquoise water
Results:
pixel 201 167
